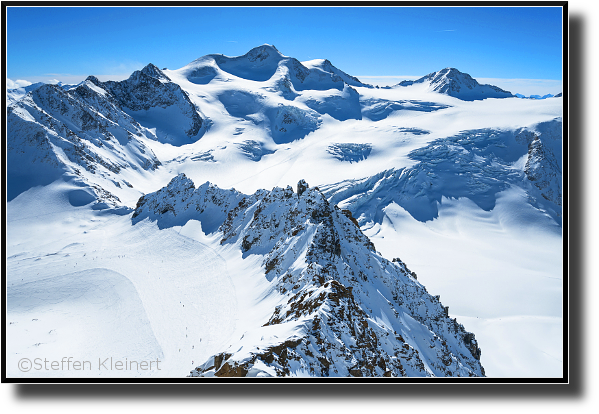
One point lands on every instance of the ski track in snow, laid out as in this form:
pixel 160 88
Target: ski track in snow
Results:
pixel 179 286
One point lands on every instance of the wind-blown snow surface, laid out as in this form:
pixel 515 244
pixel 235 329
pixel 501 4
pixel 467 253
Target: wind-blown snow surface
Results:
pixel 466 193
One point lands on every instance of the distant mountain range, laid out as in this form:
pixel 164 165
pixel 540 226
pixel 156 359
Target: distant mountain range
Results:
pixel 519 95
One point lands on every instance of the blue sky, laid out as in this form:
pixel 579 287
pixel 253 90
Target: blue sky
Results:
pixel 67 43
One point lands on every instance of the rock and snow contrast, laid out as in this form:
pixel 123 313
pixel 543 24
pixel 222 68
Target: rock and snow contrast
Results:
pixel 113 252
pixel 342 309
pixel 452 82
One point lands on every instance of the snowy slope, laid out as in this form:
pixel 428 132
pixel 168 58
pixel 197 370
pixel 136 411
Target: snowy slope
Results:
pixel 475 164
pixel 334 318
pixel 87 284
pixel 452 183
pixel 15 94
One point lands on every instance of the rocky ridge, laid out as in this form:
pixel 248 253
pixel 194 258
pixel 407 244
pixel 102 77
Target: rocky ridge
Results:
pixel 95 129
pixel 77 131
pixel 150 89
pixel 344 310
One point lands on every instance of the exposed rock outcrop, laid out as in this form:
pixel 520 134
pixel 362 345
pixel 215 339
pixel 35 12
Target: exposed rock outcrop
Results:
pixel 543 170
pixel 344 310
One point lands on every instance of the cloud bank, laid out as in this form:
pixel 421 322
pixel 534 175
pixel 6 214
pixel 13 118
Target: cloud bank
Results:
pixel 526 86
pixel 19 83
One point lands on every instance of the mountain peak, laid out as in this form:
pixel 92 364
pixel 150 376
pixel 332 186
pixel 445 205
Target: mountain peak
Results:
pixel 450 81
pixel 453 73
pixel 326 66
pixel 93 80
pixel 450 76
pixel 450 70
pixel 153 71
pixel 263 52
pixel 267 46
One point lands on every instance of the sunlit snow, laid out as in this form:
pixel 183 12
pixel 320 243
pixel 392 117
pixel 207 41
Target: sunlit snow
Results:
pixel 463 211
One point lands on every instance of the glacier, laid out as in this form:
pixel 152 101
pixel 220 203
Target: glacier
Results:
pixel 439 185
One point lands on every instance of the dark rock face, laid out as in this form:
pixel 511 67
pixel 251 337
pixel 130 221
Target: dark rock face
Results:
pixel 180 201
pixel 144 89
pixel 302 186
pixel 543 170
pixel 151 88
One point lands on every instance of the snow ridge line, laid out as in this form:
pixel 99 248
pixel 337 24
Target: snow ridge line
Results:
pixel 344 310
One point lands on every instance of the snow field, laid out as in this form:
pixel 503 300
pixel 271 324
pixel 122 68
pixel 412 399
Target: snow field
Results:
pixel 498 273
pixel 78 278
pixel 90 285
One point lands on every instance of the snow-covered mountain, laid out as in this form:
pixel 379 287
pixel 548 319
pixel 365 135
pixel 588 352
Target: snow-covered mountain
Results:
pixel 14 94
pixel 262 63
pixel 452 82
pixel 81 132
pixel 245 276
pixel 343 310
